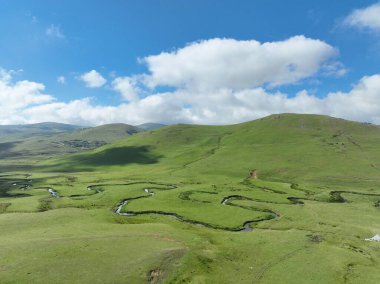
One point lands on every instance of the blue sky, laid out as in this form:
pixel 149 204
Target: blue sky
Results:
pixel 42 41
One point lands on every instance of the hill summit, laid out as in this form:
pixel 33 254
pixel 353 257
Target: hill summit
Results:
pixel 281 147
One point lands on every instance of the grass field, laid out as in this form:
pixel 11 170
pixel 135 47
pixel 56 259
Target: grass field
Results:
pixel 174 205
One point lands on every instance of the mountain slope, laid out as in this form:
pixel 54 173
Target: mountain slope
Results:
pixel 53 143
pixel 107 133
pixel 17 132
pixel 282 147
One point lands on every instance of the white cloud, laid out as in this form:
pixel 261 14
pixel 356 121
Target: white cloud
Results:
pixel 158 108
pixel 54 31
pixel 15 97
pixel 61 79
pixel 229 63
pixel 5 76
pixel 128 87
pixel 214 82
pixel 362 103
pixel 368 18
pixel 225 106
pixel 93 79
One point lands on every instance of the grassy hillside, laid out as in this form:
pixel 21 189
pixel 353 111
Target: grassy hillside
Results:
pixel 283 147
pixel 108 133
pixel 35 142
pixel 174 205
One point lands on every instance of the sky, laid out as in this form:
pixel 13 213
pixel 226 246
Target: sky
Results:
pixel 93 62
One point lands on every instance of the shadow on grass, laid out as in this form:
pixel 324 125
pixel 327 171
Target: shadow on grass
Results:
pixel 120 156
pixel 7 184
pixel 6 149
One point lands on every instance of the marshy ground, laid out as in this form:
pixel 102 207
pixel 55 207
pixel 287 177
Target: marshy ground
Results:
pixel 176 231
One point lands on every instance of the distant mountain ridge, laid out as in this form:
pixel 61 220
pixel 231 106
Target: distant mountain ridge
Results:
pixel 53 127
pixel 37 128
pixel 50 138
pixel 150 126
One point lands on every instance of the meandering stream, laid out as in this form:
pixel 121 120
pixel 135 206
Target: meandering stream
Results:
pixel 245 227
pixel 335 196
pixel 53 193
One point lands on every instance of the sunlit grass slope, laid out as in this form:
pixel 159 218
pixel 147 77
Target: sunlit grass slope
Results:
pixel 284 147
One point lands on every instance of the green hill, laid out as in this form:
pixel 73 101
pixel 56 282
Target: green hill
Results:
pixel 36 141
pixel 107 133
pixel 281 147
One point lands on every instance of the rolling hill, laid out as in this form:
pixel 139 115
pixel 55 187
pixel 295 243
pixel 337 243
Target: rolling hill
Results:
pixel 282 147
pixel 49 139
pixel 107 133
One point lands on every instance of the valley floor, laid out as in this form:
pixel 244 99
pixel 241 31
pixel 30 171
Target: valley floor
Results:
pixel 107 228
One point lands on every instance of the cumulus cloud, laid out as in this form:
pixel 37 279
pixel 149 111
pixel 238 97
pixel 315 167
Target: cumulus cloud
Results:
pixel 54 31
pixel 93 79
pixel 219 81
pixel 229 63
pixel 361 103
pixel 367 18
pixel 128 87
pixel 15 97
pixel 5 76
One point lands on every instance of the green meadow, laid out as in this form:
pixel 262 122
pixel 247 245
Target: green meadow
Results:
pixel 176 205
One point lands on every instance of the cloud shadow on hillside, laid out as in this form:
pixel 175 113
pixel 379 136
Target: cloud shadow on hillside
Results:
pixel 119 156
pixel 6 149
